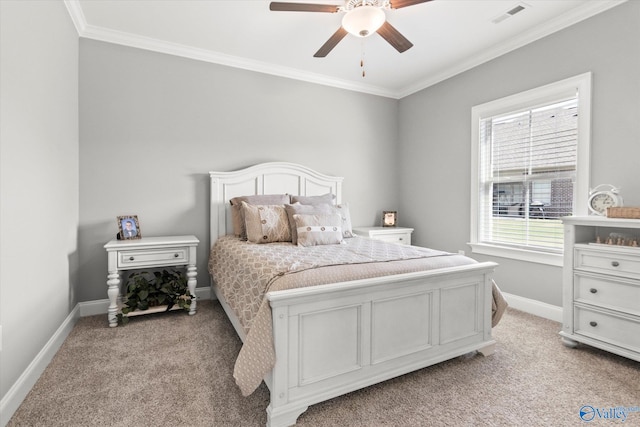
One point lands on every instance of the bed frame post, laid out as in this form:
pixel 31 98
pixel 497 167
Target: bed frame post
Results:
pixel 217 217
pixel 279 411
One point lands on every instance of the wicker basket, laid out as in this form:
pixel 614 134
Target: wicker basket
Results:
pixel 626 212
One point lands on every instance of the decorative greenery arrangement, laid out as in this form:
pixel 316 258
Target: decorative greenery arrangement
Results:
pixel 145 290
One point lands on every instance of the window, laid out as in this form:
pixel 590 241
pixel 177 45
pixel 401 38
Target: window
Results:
pixel 530 168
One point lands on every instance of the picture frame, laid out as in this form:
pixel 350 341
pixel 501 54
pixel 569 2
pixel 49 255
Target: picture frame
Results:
pixel 129 227
pixel 389 218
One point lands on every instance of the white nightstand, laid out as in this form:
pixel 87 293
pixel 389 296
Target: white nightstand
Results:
pixel 388 234
pixel 149 252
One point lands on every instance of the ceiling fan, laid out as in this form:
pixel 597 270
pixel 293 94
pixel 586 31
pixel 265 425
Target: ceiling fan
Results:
pixel 362 18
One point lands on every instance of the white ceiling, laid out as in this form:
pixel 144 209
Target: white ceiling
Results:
pixel 449 36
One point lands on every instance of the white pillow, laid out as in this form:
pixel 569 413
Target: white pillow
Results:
pixel 318 229
pixel 343 210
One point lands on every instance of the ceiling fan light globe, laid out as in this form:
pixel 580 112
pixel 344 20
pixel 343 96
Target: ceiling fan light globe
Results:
pixel 363 20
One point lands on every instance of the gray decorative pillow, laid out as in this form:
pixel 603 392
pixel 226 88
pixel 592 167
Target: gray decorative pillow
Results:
pixel 313 200
pixel 257 199
pixel 298 208
pixel 319 229
pixel 341 209
pixel 266 223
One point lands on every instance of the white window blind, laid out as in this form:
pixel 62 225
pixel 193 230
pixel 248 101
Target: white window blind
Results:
pixel 529 168
pixel 528 164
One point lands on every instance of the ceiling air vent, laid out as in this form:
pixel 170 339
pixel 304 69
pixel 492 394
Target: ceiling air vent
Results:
pixel 509 13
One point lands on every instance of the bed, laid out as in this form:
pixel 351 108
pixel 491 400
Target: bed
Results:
pixel 313 343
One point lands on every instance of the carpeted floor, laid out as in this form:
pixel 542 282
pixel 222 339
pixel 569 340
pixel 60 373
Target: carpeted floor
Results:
pixel 176 370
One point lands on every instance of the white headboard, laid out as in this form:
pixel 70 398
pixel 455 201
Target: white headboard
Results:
pixel 264 178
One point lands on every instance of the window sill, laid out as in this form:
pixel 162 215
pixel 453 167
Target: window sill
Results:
pixel 518 254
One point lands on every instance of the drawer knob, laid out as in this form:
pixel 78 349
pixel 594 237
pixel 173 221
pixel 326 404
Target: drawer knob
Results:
pixel 176 255
pixel 593 290
pixel 130 258
pixel 594 324
pixel 615 263
pixel 400 238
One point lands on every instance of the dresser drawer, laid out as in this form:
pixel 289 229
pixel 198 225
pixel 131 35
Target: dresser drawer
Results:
pixel 608 262
pixel 622 331
pixel 606 291
pixel 153 257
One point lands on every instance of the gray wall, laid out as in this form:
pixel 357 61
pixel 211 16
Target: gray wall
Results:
pixel 152 126
pixel 38 179
pixel 435 133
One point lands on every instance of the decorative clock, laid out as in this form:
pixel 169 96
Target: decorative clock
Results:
pixel 602 197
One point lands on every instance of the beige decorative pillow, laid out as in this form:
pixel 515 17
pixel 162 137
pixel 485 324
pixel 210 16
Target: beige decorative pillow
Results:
pixel 266 223
pixel 318 229
pixel 313 200
pixel 257 199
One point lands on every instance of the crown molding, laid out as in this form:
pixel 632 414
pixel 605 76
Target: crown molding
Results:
pixel 85 30
pixel 133 40
pixel 590 9
pixel 77 16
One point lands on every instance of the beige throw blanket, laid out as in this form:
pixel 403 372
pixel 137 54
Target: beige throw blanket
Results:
pixel 245 272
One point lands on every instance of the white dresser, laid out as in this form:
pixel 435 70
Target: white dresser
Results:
pixel 601 284
pixel 388 234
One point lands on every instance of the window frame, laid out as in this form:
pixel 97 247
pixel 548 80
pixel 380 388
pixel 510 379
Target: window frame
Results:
pixel 530 98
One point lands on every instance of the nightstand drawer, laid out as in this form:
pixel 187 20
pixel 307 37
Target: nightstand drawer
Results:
pixel 606 291
pixel 401 235
pixel 404 238
pixel 153 257
pixel 608 262
pixel 623 331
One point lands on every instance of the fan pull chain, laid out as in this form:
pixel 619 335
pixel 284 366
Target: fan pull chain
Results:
pixel 364 74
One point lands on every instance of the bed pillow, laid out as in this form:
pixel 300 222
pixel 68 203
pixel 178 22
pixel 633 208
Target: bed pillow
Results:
pixel 258 199
pixel 298 208
pixel 343 210
pixel 314 200
pixel 266 223
pixel 318 229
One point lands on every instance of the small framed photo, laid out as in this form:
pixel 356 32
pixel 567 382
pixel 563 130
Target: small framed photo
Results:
pixel 389 218
pixel 129 227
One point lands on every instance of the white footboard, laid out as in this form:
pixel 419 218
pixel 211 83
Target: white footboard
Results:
pixel 333 339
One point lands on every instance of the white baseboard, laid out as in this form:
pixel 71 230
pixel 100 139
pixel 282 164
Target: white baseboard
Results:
pixel 93 308
pixel 16 394
pixel 531 306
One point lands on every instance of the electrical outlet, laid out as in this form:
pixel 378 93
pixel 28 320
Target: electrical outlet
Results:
pixel 461 251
